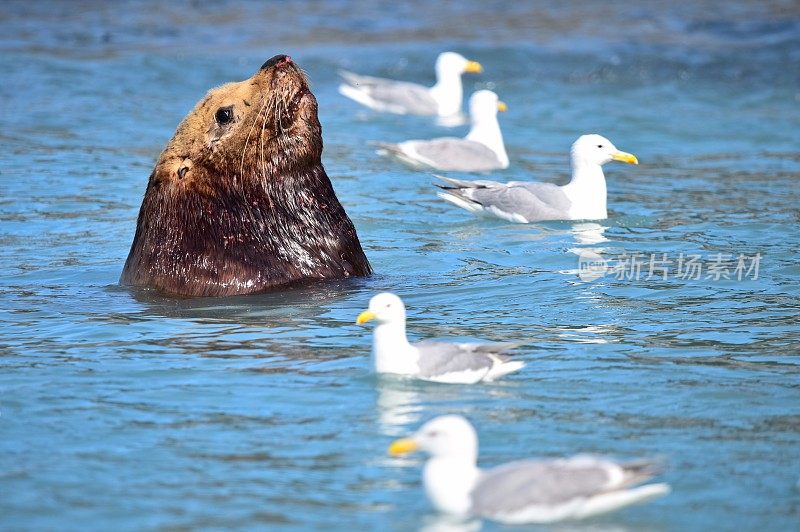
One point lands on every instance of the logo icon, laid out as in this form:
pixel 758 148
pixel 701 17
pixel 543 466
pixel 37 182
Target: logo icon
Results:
pixel 591 266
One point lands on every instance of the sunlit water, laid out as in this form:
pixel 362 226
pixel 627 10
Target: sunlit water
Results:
pixel 121 409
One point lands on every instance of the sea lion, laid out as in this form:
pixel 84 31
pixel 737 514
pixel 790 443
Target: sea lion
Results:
pixel 238 201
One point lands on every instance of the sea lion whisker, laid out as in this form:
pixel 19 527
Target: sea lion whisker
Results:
pixel 265 110
pixel 275 113
pixel 281 105
pixel 261 144
pixel 247 139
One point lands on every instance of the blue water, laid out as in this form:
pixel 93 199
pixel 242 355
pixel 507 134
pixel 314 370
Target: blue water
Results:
pixel 123 409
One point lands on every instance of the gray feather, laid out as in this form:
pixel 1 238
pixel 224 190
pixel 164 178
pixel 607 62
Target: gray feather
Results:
pixel 358 80
pixel 638 471
pixel 401 96
pixel 388 146
pixel 520 484
pixel 532 200
pixel 517 485
pixel 439 358
pixel 456 154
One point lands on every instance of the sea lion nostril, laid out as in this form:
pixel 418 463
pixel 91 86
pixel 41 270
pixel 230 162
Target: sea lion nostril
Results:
pixel 278 59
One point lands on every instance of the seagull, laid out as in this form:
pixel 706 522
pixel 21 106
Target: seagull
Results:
pixel 401 97
pixel 523 491
pixel 583 198
pixel 464 363
pixel 481 150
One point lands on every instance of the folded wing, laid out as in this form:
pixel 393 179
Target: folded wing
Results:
pixel 516 201
pixel 451 153
pixel 466 362
pixel 387 95
pixel 544 490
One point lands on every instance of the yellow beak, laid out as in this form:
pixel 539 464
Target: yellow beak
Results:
pixel 473 67
pixel 402 446
pixel 625 157
pixel 364 317
pixel 502 107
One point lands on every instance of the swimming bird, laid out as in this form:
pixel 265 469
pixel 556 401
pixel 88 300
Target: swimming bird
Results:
pixel 523 491
pixel 401 97
pixel 482 149
pixel 465 363
pixel 583 198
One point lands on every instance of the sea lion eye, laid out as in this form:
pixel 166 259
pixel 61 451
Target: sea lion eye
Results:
pixel 224 115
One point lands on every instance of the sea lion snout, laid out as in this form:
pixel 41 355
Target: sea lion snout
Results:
pixel 278 60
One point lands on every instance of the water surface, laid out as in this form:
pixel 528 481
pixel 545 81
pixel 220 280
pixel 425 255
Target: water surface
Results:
pixel 123 409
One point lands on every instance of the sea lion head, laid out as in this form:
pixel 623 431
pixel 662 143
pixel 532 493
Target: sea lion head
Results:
pixel 248 128
pixel 238 201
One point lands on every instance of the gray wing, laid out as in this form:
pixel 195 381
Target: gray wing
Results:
pixel 455 154
pixel 517 485
pixel 440 358
pixel 359 80
pixel 531 200
pixel 397 96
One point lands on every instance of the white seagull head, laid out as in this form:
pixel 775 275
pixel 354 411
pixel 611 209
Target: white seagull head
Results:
pixel 451 63
pixel 384 308
pixel 442 437
pixel 598 150
pixel 484 104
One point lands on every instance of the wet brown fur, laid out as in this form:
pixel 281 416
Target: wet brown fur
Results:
pixel 244 207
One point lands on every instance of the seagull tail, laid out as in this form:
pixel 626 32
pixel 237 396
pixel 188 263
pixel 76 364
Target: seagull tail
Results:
pixel 459 200
pixel 503 367
pixel 386 148
pixel 395 150
pixel 351 78
pixel 455 192
pixel 452 184
pixel 614 500
pixel 638 471
pixel 356 95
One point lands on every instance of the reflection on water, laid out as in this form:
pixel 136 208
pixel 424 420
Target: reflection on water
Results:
pixel 444 523
pixel 128 410
pixel 589 233
pixel 399 406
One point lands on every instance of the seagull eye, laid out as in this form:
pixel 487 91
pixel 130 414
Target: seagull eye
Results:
pixel 224 115
pixel 599 145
